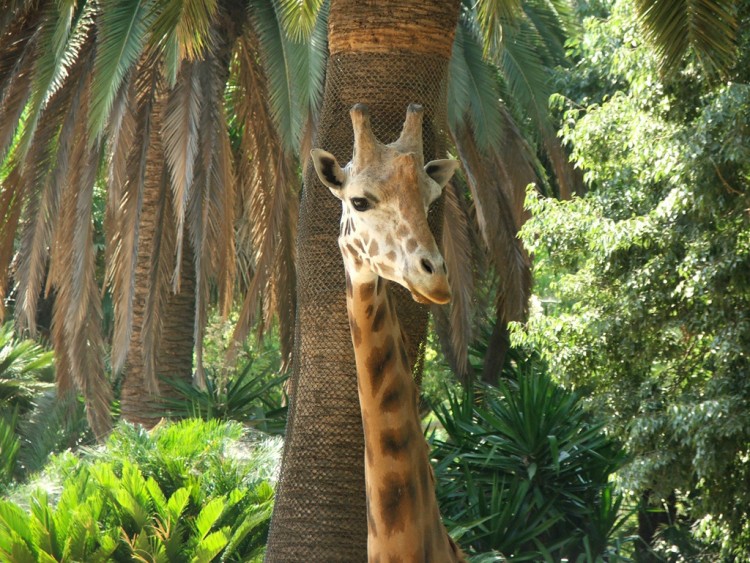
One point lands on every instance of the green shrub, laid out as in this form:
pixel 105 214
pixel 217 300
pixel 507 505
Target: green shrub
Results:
pixel 525 472
pixel 181 492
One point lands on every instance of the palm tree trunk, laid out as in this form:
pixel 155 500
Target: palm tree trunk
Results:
pixel 174 357
pixel 385 54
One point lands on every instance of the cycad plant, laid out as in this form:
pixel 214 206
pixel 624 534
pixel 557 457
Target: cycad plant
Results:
pixel 525 471
pixel 26 373
pixel 178 494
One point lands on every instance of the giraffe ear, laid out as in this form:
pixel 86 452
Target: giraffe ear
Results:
pixel 441 170
pixel 329 171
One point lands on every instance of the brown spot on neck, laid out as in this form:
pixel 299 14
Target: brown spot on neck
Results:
pixel 379 362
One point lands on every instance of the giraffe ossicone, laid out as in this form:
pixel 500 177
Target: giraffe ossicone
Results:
pixel 386 191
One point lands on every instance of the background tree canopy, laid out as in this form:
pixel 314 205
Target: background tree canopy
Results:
pixel 643 285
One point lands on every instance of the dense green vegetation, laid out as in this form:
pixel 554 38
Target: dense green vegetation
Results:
pixel 191 491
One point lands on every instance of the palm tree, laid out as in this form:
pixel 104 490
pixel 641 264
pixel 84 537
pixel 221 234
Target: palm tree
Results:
pixel 707 28
pixel 131 96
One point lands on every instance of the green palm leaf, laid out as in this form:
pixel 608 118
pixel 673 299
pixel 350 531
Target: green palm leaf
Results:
pixel 298 17
pixel 121 35
pixel 62 33
pixel 709 27
pixel 472 92
pixel 182 27
pixel 294 70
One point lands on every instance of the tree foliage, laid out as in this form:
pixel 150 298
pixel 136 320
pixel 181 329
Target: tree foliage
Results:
pixel 643 284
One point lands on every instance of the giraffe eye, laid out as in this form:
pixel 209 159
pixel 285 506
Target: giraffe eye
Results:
pixel 360 203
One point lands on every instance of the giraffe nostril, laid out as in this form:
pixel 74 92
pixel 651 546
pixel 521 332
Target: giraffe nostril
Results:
pixel 427 266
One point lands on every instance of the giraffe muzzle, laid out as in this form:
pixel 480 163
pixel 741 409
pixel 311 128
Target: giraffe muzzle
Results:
pixel 437 293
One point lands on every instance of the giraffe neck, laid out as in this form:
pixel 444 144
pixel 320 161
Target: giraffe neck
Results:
pixel 403 519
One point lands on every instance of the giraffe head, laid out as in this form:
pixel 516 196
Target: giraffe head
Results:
pixel 385 192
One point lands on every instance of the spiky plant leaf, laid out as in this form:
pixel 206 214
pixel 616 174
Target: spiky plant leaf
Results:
pixel 210 547
pixel 708 27
pixel 208 516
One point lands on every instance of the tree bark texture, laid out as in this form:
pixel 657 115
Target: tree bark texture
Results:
pixel 385 54
pixel 174 357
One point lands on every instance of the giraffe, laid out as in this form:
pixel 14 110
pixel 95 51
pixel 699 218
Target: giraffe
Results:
pixel 385 192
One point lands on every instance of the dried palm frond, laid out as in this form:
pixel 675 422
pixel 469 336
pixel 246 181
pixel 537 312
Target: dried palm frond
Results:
pixel 120 137
pixel 10 212
pixel 46 174
pixel 270 207
pixel 77 303
pixel 486 173
pixel 16 44
pixel 211 198
pixel 180 139
pixel 459 253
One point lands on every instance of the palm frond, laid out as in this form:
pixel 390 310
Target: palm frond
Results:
pixel 182 28
pixel 11 110
pixel 525 73
pixel 298 17
pixel 16 44
pixel 77 304
pixel 46 174
pixel 214 179
pixel 62 33
pixel 120 137
pixel 294 71
pixel 492 17
pixel 180 138
pixel 269 203
pixel 10 212
pixel 708 27
pixel 554 22
pixel 459 254
pixel 121 33
pixel 472 90
pixel 14 10
pixel 486 173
